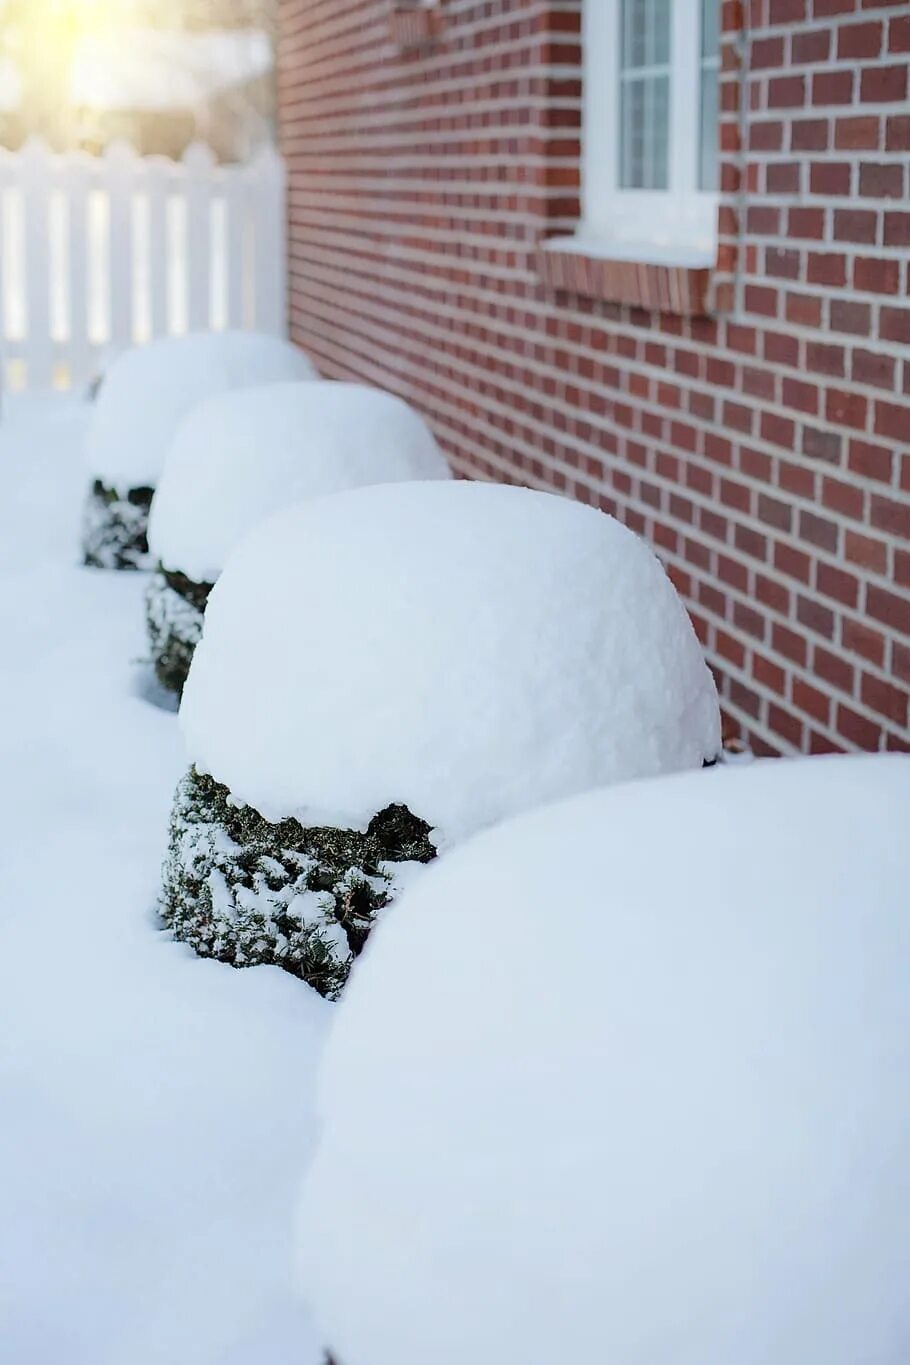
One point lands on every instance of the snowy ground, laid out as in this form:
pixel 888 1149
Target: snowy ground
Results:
pixel 155 1110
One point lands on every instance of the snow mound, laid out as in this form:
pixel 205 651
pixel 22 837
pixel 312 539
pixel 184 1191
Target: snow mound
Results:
pixel 241 456
pixel 146 391
pixel 670 1128
pixel 466 650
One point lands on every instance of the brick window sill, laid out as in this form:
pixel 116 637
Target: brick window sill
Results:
pixel 667 283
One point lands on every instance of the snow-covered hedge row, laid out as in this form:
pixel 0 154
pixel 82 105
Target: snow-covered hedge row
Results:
pixel 242 455
pixel 625 1080
pixel 146 391
pixel 455 652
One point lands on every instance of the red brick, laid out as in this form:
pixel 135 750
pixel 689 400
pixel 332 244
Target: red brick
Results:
pixel 866 552
pixel 837 584
pixel 895 325
pixel 871 461
pixel 861 133
pixel 856 225
pixel 875 275
pixel 832 87
pixel 804 309
pixel 822 445
pixel 883 84
pixel 814 616
pixel 899 33
pixel 869 367
pixel 789 643
pixel 801 396
pixel 862 733
pixel 881 180
pixel 852 317
pixel 805 222
pixel 897 133
pixel 860 40
pixel 809 135
pixel 794 563
pixel 811 700
pixel 845 408
pixel 834 670
pixel 891 516
pixel 831 178
pixel 766 53
pixel 889 701
pixel 766 136
pixel 813 45
pixel 828 268
pixel 786 92
pixel 842 498
pixel 863 640
pixel 887 607
pixel 892 421
pixel 900 661
pixel 818 531
pixel 897 229
pixel 825 359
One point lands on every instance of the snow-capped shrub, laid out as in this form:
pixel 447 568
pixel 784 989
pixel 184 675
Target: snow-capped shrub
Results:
pixel 114 527
pixel 247 891
pixel 461 651
pixel 146 391
pixel 242 455
pixel 625 1080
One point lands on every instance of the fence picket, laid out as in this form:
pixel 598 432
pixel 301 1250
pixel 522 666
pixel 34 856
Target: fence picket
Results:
pixel 267 181
pixel 76 180
pixel 120 164
pixel 157 176
pixel 134 231
pixel 199 165
pixel 37 172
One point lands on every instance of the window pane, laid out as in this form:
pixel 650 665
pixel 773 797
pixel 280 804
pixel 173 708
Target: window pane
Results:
pixel 645 94
pixel 645 133
pixel 646 33
pixel 707 172
pixel 710 14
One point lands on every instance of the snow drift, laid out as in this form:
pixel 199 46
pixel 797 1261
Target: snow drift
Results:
pixel 625 1080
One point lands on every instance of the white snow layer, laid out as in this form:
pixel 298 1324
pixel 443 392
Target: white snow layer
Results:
pixel 147 390
pixel 150 1142
pixel 243 455
pixel 468 650
pixel 625 1080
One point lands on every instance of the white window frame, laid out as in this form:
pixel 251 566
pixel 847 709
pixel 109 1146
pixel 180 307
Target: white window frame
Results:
pixel 677 225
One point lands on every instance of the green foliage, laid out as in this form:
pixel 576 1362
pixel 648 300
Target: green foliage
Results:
pixel 246 891
pixel 174 613
pixel 115 527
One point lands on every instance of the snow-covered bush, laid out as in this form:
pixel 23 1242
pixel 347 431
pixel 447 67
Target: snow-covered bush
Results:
pixel 625 1080
pixel 146 391
pixel 452 652
pixel 242 455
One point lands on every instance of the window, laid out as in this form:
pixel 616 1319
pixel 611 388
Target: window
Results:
pixel 650 130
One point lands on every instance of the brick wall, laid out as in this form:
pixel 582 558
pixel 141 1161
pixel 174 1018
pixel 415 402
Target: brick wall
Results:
pixel 765 452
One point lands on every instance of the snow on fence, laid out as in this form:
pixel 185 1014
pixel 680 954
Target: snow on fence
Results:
pixel 99 253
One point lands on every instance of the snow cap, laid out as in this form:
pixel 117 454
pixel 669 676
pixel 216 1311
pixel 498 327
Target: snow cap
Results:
pixel 625 1080
pixel 147 390
pixel 242 455
pixel 468 650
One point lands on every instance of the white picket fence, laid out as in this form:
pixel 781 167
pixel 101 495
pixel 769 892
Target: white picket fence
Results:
pixel 100 253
